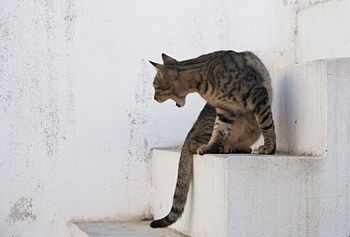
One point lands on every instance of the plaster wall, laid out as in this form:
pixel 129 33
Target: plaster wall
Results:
pixel 77 118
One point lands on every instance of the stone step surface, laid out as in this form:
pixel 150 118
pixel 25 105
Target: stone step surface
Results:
pixel 120 229
pixel 323 31
pixel 241 195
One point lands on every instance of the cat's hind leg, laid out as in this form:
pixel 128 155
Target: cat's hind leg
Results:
pixel 244 133
pixel 260 105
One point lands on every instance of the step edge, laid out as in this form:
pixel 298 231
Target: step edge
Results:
pixel 254 156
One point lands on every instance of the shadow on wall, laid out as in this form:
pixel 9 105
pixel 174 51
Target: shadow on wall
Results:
pixel 301 109
pixel 284 101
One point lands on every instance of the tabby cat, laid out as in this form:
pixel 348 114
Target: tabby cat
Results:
pixel 237 88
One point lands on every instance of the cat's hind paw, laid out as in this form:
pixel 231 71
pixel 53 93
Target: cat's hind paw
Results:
pixel 267 149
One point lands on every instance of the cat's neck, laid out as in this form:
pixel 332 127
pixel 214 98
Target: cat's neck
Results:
pixel 192 80
pixel 193 73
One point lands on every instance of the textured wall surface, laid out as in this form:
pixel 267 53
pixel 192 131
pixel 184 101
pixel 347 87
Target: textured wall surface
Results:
pixel 77 118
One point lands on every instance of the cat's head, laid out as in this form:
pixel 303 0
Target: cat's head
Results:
pixel 167 82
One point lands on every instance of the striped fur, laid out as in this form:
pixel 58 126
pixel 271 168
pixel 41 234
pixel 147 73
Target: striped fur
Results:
pixel 198 135
pixel 237 88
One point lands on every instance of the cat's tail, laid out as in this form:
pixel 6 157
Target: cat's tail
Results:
pixel 184 177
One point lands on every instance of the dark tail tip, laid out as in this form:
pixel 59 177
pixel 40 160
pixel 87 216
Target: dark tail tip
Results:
pixel 164 222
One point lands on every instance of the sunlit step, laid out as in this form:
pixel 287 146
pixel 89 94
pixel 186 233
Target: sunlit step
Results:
pixel 120 229
pixel 241 195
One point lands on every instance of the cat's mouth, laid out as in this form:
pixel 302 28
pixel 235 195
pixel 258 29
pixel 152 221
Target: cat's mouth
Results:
pixel 180 102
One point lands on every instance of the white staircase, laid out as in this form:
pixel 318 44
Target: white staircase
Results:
pixel 241 195
pixel 271 195
pixel 282 194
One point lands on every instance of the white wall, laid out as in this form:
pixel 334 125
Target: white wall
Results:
pixel 77 117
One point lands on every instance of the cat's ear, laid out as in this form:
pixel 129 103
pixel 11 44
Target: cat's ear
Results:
pixel 157 65
pixel 168 71
pixel 171 73
pixel 167 59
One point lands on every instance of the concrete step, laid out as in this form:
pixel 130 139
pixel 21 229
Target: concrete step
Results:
pixel 323 31
pixel 119 229
pixel 241 195
pixel 300 107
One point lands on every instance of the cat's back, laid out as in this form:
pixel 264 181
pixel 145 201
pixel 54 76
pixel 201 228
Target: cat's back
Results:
pixel 249 61
pixel 230 65
pixel 233 60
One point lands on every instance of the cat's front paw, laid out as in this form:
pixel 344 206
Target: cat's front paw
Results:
pixel 267 149
pixel 205 149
